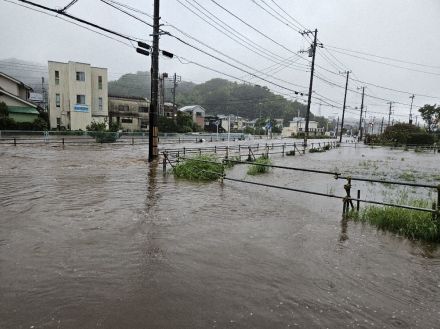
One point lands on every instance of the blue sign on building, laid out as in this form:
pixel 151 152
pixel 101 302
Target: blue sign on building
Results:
pixel 81 108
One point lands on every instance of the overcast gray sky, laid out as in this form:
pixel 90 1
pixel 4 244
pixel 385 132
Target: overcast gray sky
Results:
pixel 408 30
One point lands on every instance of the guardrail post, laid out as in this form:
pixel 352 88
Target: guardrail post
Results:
pixel 164 162
pixel 347 199
pixel 358 203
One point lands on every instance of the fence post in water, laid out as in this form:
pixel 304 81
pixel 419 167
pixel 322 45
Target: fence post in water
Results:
pixel 63 142
pixel 284 146
pixel 15 141
pixel 184 153
pixel 227 152
pixel 178 156
pixel 358 203
pixel 164 162
pixel 239 149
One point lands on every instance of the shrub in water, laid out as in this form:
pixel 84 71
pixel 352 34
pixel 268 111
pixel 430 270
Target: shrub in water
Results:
pixel 406 222
pixel 199 168
pixel 255 169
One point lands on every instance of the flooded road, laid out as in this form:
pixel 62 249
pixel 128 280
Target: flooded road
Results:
pixel 95 237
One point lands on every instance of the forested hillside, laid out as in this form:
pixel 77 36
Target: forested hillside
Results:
pixel 217 96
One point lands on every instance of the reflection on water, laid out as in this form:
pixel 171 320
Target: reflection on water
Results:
pixel 97 237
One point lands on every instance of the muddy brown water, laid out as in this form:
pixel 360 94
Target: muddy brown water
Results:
pixel 95 237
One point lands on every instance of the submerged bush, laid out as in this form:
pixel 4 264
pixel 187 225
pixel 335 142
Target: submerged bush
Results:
pixel 255 169
pixel 199 168
pixel 413 224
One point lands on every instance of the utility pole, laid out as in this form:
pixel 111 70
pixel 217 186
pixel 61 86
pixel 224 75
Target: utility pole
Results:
pixel 153 133
pixel 389 114
pixel 337 128
pixel 309 98
pixel 174 90
pixel 410 109
pixel 381 127
pixel 360 118
pixel 343 108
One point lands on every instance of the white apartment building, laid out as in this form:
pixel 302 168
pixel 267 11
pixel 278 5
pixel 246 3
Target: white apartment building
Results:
pixel 78 95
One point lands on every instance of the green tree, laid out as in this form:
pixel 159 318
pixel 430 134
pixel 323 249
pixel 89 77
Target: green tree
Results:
pixel 431 115
pixel 4 113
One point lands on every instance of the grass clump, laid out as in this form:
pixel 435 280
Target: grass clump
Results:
pixel 229 163
pixel 412 224
pixel 255 169
pixel 316 150
pixel 407 176
pixel 199 168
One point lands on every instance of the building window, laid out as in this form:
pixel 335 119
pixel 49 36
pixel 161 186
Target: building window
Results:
pixel 57 100
pixel 143 109
pixel 100 103
pixel 198 114
pixel 100 82
pixel 80 99
pixel 123 108
pixel 80 76
pixel 57 77
pixel 126 120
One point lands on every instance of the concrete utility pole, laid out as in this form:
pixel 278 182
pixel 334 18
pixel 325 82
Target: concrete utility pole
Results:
pixel 381 127
pixel 343 108
pixel 174 90
pixel 410 109
pixel 360 118
pixel 309 98
pixel 389 113
pixel 153 130
pixel 337 128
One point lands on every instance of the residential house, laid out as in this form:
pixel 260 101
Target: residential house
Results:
pixel 131 113
pixel 78 95
pixel 298 125
pixel 15 94
pixel 197 113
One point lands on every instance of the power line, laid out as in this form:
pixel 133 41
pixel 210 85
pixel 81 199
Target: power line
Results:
pixel 125 12
pixel 387 64
pixel 255 29
pixel 235 66
pixel 71 22
pixel 274 16
pixel 383 57
pixel 56 11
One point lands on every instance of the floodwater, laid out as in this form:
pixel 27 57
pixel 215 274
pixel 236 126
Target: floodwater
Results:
pixel 95 237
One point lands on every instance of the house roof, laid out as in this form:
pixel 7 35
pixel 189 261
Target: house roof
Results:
pixel 191 108
pixel 18 82
pixel 22 109
pixel 4 92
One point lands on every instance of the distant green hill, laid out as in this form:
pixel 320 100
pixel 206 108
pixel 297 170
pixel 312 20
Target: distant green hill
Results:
pixel 217 96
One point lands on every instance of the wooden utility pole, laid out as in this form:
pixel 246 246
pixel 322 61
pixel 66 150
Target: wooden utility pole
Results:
pixel 174 90
pixel 360 118
pixel 153 130
pixel 343 108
